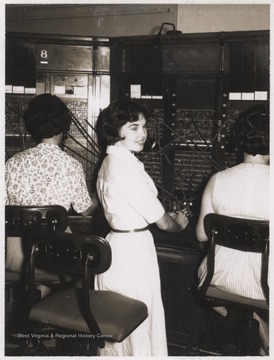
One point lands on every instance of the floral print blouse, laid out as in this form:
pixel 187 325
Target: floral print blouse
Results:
pixel 46 175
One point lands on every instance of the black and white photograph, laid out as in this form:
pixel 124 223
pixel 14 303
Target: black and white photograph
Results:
pixel 136 179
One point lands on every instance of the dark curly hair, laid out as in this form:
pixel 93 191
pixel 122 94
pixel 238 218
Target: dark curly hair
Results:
pixel 117 114
pixel 46 116
pixel 252 130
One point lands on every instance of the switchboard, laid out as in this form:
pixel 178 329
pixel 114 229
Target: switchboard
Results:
pixel 76 69
pixel 198 85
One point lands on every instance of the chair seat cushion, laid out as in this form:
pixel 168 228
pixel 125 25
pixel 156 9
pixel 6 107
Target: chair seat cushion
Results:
pixel 116 315
pixel 214 292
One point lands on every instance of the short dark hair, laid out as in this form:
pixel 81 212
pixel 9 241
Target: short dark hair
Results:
pixel 116 115
pixel 46 116
pixel 252 130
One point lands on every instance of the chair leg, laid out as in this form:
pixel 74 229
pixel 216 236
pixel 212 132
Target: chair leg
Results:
pixel 25 344
pixel 38 345
pixel 22 347
pixel 76 347
pixel 249 337
pixel 263 332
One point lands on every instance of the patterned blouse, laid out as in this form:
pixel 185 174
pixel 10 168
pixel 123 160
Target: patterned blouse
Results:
pixel 46 175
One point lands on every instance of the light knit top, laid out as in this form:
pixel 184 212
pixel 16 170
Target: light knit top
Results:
pixel 240 191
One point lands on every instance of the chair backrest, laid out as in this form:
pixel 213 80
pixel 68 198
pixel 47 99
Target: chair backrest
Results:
pixel 33 224
pixel 25 220
pixel 70 253
pixel 240 234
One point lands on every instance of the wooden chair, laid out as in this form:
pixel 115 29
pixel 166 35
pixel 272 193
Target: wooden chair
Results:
pixel 81 310
pixel 246 236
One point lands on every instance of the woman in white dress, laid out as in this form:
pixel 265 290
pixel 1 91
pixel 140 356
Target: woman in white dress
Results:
pixel 241 191
pixel 129 199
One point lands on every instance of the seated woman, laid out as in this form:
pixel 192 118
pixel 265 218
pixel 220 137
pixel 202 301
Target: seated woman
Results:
pixel 44 174
pixel 241 191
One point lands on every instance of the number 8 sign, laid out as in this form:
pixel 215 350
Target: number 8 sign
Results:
pixel 44 54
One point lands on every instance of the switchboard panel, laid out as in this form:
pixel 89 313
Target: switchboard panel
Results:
pixel 75 69
pixel 191 58
pixel 198 85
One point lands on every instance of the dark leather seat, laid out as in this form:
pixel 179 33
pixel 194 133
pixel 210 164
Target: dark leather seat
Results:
pixel 104 315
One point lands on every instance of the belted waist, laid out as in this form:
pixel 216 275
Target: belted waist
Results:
pixel 130 231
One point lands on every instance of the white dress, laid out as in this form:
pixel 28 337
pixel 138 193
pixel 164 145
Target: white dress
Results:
pixel 241 191
pixel 129 199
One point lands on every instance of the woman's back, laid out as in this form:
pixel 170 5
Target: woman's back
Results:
pixel 243 191
pixel 240 191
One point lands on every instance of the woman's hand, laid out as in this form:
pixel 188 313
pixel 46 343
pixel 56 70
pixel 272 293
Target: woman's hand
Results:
pixel 175 221
pixel 173 214
pixel 181 217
